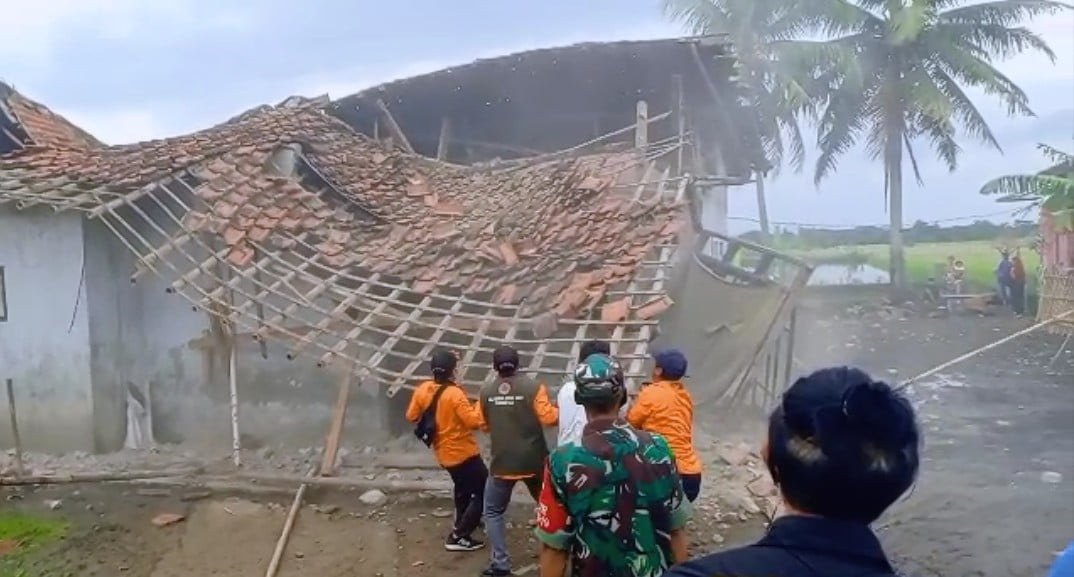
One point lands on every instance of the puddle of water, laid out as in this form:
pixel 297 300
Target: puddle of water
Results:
pixel 848 274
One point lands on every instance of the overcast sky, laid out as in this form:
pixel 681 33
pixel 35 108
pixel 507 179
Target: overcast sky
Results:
pixel 129 70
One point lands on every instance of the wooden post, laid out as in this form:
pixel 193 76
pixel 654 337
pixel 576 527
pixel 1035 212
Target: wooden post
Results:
pixel 444 143
pixel 335 430
pixel 678 113
pixel 393 127
pixel 10 384
pixel 233 389
pixel 641 129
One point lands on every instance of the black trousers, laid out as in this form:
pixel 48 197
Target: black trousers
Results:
pixel 469 479
pixel 1018 297
pixel 691 485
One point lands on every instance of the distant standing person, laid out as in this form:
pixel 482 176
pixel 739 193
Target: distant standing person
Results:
pixel 1018 284
pixel 572 417
pixel 515 409
pixel 1003 277
pixel 611 503
pixel 666 407
pixel 446 420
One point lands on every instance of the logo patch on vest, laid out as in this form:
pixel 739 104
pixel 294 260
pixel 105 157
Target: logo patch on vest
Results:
pixel 505 388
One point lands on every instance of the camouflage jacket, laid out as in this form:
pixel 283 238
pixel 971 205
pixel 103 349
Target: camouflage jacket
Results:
pixel 613 500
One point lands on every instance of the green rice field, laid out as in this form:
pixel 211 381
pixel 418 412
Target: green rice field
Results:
pixel 980 258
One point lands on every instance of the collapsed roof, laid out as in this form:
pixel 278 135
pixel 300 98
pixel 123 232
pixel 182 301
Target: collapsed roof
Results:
pixel 289 224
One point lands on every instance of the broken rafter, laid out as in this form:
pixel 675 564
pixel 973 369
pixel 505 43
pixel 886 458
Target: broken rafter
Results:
pixel 383 314
pixel 393 126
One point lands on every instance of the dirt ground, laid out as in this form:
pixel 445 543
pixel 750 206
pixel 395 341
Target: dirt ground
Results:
pixel 998 431
pixel 113 534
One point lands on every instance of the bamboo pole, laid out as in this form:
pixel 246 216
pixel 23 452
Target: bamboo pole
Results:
pixel 347 483
pixel 10 385
pixel 1059 352
pixel 679 113
pixel 641 126
pixel 985 348
pixel 233 390
pixel 288 525
pixel 98 477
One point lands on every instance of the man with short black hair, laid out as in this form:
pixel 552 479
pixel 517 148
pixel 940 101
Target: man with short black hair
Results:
pixel 455 418
pixel 515 409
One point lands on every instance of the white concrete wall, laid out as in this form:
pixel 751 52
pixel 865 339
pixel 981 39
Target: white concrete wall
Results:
pixel 44 344
pixel 147 336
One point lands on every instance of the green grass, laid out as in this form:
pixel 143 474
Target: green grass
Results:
pixel 980 258
pixel 31 532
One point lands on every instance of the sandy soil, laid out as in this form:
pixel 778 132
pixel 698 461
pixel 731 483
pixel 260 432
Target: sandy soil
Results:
pixel 994 427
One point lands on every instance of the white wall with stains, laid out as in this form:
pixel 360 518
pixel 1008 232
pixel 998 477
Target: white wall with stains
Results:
pixel 44 343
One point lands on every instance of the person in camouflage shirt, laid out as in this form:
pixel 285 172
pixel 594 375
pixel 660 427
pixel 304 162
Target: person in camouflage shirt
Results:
pixel 611 505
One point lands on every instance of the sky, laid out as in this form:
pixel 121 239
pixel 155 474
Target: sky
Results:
pixel 129 70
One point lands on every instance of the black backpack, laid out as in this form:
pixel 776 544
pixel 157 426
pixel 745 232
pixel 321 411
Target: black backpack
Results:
pixel 425 429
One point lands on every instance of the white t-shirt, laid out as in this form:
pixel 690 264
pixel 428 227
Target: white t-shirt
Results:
pixel 572 419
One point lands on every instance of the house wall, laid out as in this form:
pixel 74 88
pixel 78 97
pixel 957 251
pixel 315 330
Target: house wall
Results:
pixel 1057 250
pixel 44 344
pixel 144 335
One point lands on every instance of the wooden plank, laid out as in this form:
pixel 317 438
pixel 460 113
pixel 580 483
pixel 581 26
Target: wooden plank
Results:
pixel 335 430
pixel 393 126
pixel 443 144
pixel 641 128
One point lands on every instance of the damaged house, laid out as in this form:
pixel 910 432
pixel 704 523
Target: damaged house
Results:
pixel 540 199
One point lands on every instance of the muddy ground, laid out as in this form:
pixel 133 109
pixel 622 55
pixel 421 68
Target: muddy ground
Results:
pixel 999 429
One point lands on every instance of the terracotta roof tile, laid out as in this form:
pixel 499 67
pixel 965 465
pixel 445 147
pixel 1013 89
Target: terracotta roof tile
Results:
pixel 43 126
pixel 554 235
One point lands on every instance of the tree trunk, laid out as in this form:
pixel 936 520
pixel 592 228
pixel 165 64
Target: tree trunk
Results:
pixel 896 253
pixel 762 209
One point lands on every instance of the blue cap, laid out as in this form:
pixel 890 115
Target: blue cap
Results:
pixel 671 362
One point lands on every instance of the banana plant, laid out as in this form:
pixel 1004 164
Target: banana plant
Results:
pixel 1050 190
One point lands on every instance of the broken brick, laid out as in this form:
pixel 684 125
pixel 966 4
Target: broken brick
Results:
pixel 654 308
pixel 166 519
pixel 615 311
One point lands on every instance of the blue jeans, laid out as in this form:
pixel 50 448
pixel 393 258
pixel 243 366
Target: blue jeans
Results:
pixel 497 498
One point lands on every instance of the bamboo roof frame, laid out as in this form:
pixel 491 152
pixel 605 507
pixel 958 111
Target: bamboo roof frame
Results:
pixel 260 299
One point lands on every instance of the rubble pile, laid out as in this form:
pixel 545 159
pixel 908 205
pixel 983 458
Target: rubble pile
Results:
pixel 737 487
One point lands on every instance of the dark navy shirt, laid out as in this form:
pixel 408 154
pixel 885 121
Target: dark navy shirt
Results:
pixel 798 546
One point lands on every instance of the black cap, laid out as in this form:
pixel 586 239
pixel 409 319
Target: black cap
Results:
pixel 505 358
pixel 443 361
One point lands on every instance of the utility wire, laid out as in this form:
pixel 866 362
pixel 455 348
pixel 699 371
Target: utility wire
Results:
pixel 884 225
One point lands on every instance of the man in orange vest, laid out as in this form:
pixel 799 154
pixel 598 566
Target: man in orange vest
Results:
pixel 446 420
pixel 666 407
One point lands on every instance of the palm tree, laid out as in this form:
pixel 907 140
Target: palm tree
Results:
pixel 1052 190
pixel 776 99
pixel 893 72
